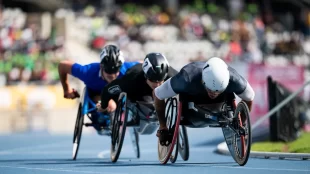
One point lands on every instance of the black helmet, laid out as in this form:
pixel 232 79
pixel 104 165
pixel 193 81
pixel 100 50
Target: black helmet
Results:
pixel 155 67
pixel 111 59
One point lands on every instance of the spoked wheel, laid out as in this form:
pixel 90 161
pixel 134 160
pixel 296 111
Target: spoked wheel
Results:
pixel 172 122
pixel 119 127
pixel 134 135
pixel 77 132
pixel 239 142
pixel 183 143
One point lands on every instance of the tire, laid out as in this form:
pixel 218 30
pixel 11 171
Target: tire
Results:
pixel 77 132
pixel 174 154
pixel 173 122
pixel 119 127
pixel 183 144
pixel 135 141
pixel 239 145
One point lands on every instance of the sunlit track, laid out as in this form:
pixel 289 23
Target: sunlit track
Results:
pixel 49 154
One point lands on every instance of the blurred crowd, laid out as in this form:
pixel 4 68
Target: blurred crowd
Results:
pixel 27 54
pixel 236 36
pixel 195 32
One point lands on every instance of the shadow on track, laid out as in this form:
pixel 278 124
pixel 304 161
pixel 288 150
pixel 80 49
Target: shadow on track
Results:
pixel 181 164
pixel 59 161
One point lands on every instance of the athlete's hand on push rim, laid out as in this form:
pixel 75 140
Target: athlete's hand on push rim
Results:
pixel 161 128
pixel 71 94
pixel 99 109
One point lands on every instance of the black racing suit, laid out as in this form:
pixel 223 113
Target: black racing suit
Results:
pixel 188 84
pixel 133 83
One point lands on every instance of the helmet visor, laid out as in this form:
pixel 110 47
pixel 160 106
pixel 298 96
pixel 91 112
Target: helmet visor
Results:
pixel 111 70
pixel 154 78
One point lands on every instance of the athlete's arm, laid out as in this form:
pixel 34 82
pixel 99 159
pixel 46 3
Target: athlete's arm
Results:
pixel 169 88
pixel 160 94
pixel 166 90
pixel 241 87
pixel 64 68
pixel 110 91
pixel 248 95
pixel 113 89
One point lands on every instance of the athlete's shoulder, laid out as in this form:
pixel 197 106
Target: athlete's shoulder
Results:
pixel 237 83
pixel 194 65
pixel 126 66
pixel 130 64
pixel 233 73
pixel 92 67
pixel 192 70
pixel 135 68
pixel 134 75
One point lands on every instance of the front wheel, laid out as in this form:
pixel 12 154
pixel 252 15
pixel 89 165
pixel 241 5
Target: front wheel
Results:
pixel 134 135
pixel 172 122
pixel 77 132
pixel 239 144
pixel 174 154
pixel 119 122
pixel 183 143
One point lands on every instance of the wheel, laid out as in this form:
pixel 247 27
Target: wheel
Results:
pixel 134 135
pixel 183 143
pixel 239 144
pixel 77 132
pixel 174 154
pixel 243 146
pixel 172 121
pixel 119 127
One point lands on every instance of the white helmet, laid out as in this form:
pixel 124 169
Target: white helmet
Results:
pixel 215 74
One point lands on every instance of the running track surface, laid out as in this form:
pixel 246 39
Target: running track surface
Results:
pixel 29 153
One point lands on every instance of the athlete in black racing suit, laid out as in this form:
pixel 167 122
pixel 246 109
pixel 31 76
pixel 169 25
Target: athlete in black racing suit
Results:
pixel 140 81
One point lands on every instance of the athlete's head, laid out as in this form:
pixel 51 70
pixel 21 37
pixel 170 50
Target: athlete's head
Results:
pixel 111 60
pixel 155 67
pixel 215 76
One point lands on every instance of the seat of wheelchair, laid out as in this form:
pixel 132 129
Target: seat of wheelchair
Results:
pixel 202 115
pixel 95 123
pixel 143 111
pixel 147 104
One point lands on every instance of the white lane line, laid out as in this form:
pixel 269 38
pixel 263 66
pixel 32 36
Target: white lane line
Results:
pixel 59 170
pixel 256 168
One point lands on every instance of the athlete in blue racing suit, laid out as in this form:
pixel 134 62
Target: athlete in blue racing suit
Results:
pixel 95 75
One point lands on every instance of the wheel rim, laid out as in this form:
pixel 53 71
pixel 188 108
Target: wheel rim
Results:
pixel 174 153
pixel 172 122
pixel 183 143
pixel 119 128
pixel 76 127
pixel 239 146
pixel 134 135
pixel 244 142
pixel 77 132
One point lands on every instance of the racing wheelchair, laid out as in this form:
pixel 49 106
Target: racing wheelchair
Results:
pixel 234 120
pixel 141 116
pixel 87 107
